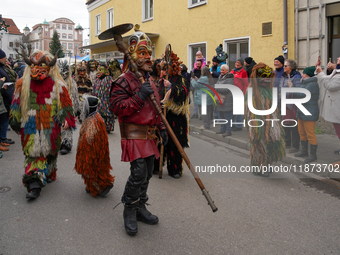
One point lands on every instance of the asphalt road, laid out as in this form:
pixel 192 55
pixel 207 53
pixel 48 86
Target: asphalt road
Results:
pixel 287 213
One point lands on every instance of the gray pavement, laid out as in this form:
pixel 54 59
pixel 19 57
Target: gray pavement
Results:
pixel 327 144
pixel 288 213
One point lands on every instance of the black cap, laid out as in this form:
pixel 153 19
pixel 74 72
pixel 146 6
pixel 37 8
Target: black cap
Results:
pixel 281 59
pixel 248 60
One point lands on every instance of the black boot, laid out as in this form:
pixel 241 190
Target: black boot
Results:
pixel 312 156
pixel 130 218
pixel 304 150
pixel 145 216
pixel 33 190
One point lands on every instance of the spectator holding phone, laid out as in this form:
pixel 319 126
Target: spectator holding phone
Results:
pixel 330 101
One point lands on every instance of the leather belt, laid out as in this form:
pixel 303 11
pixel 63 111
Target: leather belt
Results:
pixel 136 131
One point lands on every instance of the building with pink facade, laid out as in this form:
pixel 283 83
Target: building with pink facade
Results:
pixel 70 35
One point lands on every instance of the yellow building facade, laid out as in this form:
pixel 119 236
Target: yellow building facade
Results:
pixel 243 27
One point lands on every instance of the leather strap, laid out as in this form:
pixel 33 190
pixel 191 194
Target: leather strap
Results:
pixel 136 131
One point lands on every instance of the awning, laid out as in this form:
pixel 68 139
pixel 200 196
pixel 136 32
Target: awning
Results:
pixel 112 42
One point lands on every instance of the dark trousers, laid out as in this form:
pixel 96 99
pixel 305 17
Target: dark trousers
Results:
pixel 208 117
pixel 138 181
pixel 292 137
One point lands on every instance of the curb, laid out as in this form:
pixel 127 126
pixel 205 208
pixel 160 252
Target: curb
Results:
pixel 240 143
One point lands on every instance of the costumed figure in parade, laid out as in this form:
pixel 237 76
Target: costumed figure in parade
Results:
pixel 267 141
pixel 92 66
pixel 101 89
pixel 139 122
pixel 114 68
pixel 84 84
pixel 176 102
pixel 67 134
pixel 41 107
pixel 93 155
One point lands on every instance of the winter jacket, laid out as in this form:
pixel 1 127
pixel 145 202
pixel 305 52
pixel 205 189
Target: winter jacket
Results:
pixel 216 71
pixel 227 105
pixel 2 105
pixel 240 79
pixel 199 86
pixel 278 72
pixel 7 94
pixel 295 78
pixel 249 69
pixel 310 84
pixel 330 102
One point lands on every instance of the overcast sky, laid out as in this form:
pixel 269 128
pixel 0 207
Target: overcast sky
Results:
pixel 32 12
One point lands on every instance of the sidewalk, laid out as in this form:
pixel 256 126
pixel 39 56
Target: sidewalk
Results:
pixel 327 144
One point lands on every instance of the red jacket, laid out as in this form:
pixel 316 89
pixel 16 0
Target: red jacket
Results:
pixel 241 79
pixel 129 108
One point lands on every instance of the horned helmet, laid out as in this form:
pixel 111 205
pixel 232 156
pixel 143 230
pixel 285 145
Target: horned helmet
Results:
pixel 40 63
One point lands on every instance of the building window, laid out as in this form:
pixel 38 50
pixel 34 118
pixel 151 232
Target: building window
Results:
pixel 11 55
pixel 64 46
pixel 193 49
pixel 109 17
pixel 10 44
pixel 17 44
pixel 147 10
pixel 334 36
pixel 69 36
pixel 79 36
pixel 195 3
pixel 70 46
pixel 97 25
pixel 58 35
pixel 46 28
pixel 64 27
pixel 236 48
pixel 69 27
pixel 57 26
pixel 64 35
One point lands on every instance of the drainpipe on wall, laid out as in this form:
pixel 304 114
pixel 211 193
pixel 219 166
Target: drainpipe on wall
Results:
pixel 297 31
pixel 285 27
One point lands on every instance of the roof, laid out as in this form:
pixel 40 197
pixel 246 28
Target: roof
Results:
pixel 12 29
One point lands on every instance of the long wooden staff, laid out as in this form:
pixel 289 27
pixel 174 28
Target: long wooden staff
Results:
pixel 167 60
pixel 116 32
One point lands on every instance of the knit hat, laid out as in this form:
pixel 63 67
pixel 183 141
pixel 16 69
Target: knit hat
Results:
pixel 248 60
pixel 2 54
pixel 240 59
pixel 215 59
pixel 199 55
pixel 309 71
pixel 281 59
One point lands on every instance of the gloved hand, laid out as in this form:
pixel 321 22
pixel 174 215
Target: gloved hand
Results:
pixel 164 136
pixel 145 91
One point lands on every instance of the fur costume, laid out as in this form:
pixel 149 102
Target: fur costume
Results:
pixel 267 141
pixel 93 155
pixel 101 89
pixel 39 108
pixel 65 72
pixel 176 102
